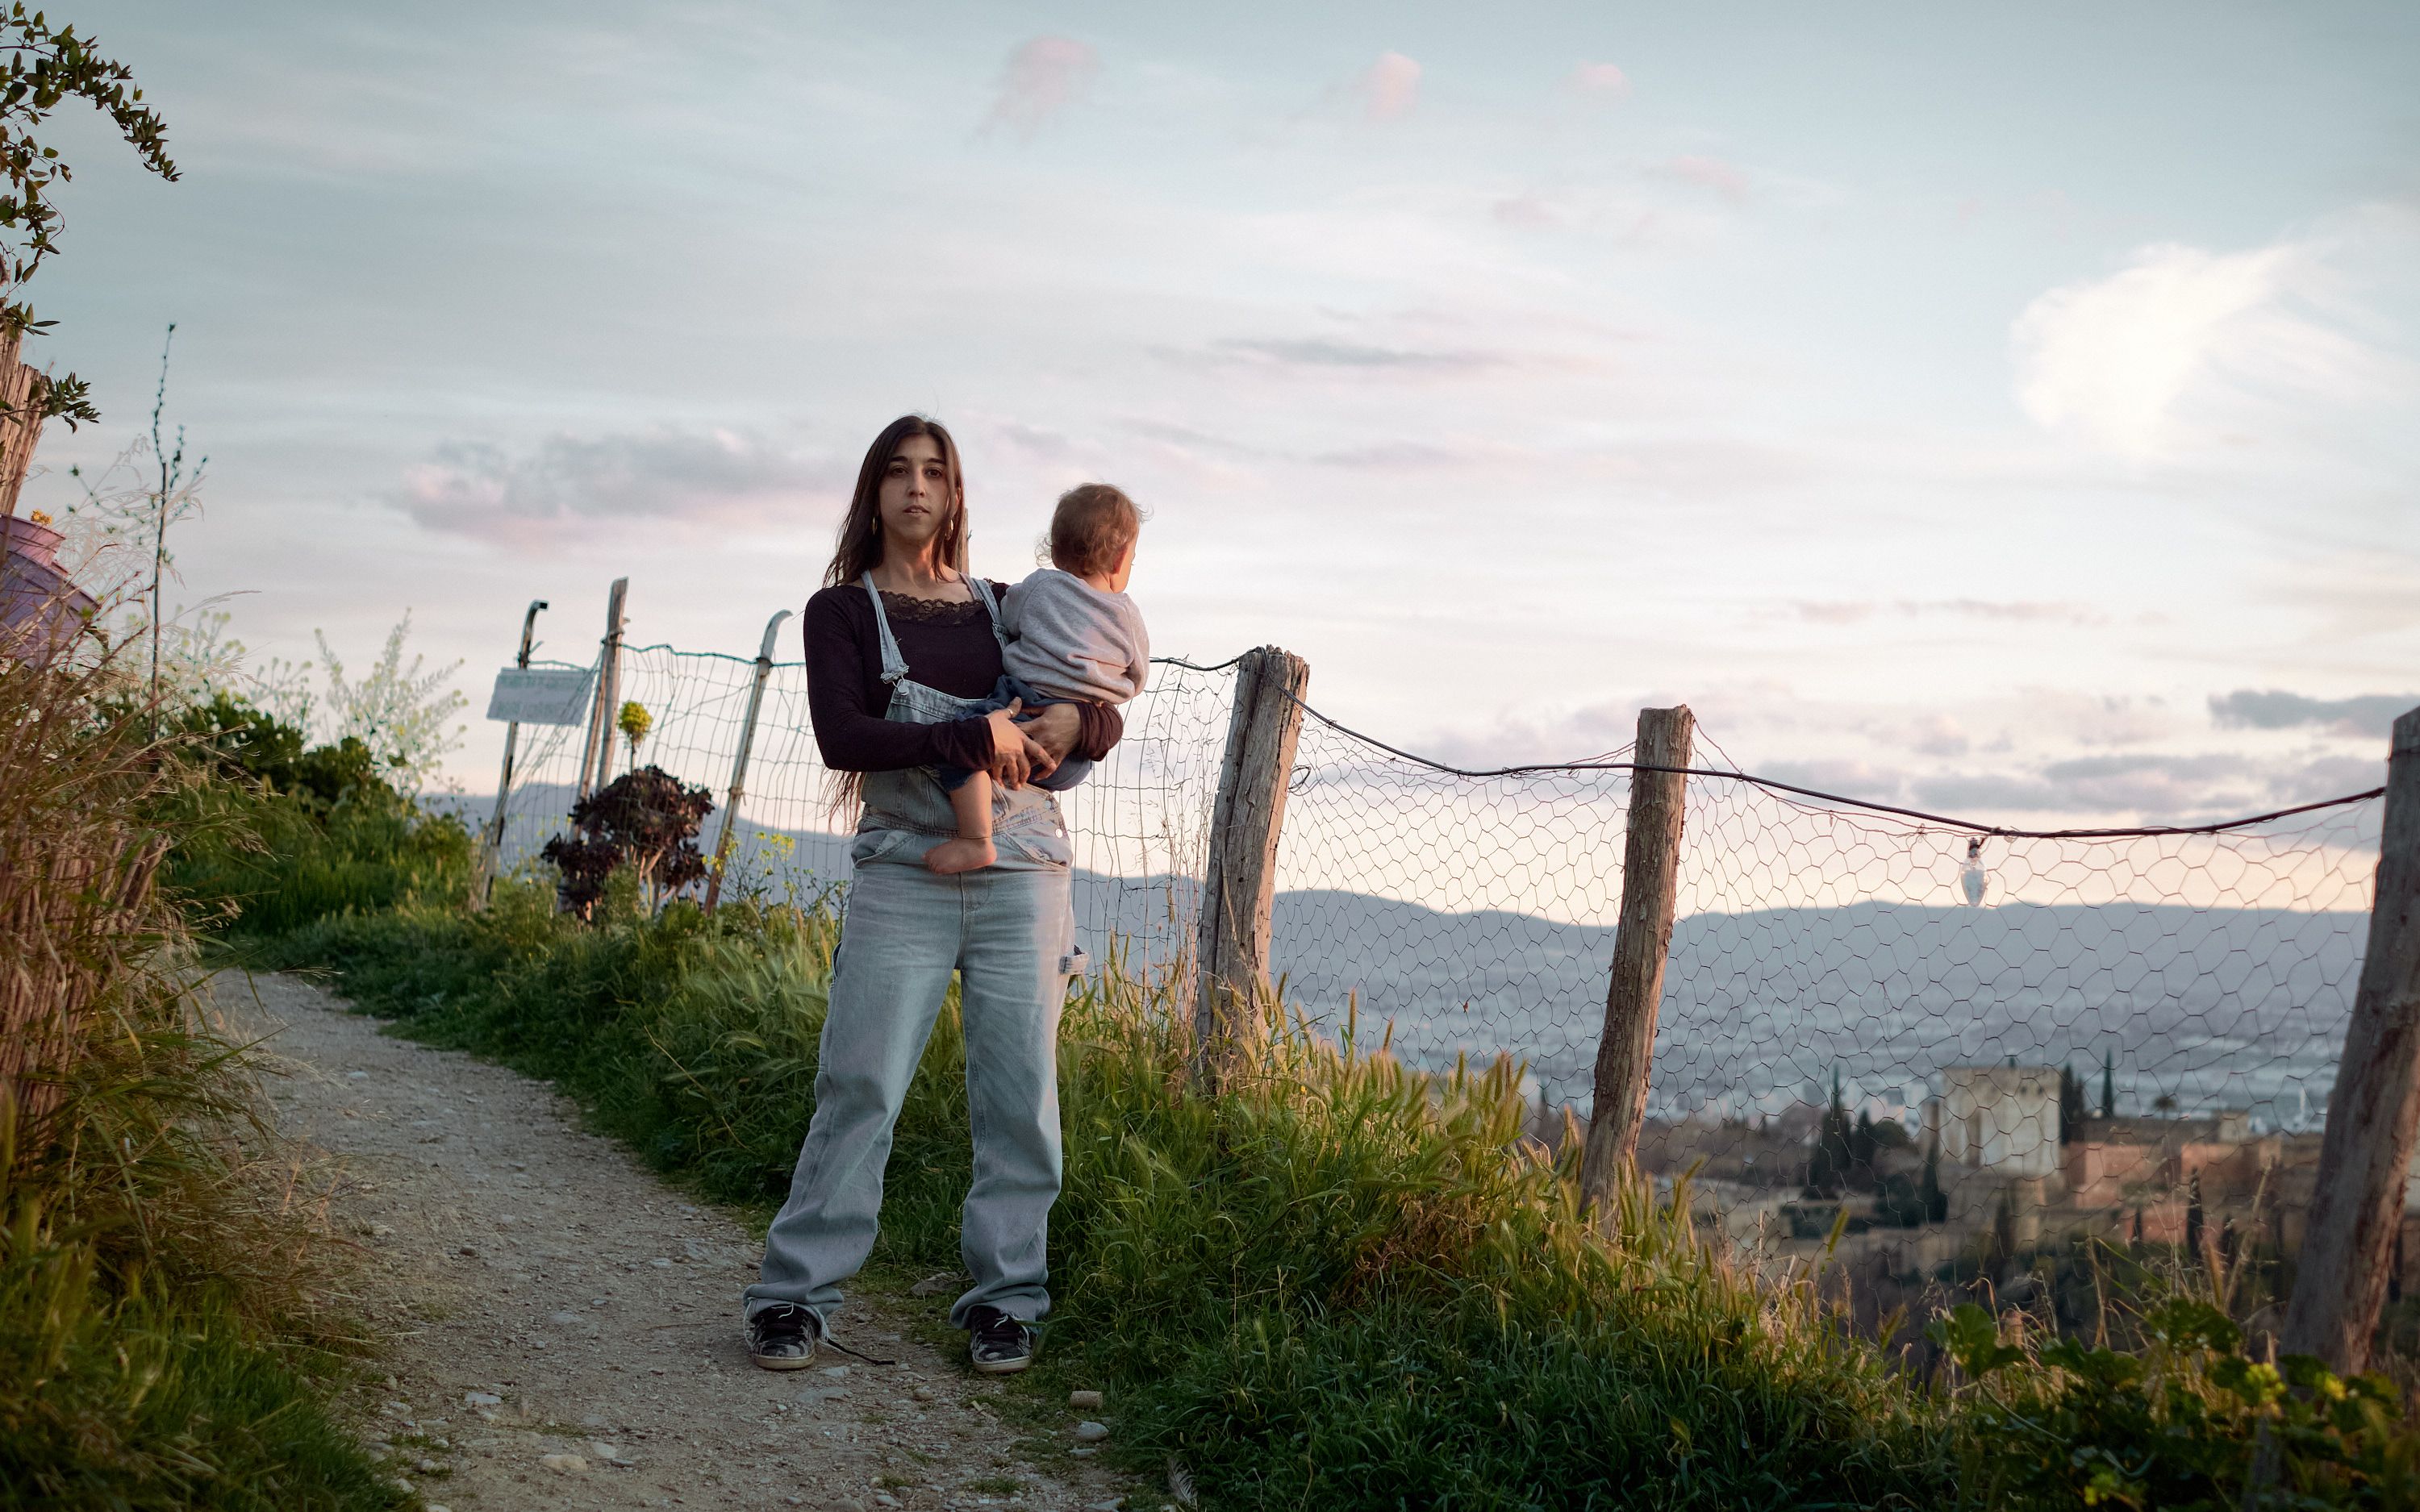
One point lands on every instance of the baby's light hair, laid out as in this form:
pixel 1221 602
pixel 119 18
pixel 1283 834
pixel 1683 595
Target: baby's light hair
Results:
pixel 1092 528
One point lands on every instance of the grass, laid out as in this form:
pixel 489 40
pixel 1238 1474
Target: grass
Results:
pixel 1343 1284
pixel 164 1266
pixel 1338 1285
pixel 160 1400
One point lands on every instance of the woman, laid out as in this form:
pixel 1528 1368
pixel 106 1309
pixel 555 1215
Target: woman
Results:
pixel 901 646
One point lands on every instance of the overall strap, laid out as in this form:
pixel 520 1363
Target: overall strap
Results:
pixel 894 666
pixel 991 606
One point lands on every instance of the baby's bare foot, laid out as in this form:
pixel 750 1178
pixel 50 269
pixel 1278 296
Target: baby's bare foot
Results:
pixel 951 856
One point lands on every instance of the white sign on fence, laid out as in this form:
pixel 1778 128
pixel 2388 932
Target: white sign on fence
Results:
pixel 541 695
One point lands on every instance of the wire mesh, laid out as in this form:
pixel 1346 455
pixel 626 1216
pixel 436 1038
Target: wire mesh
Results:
pixel 2200 980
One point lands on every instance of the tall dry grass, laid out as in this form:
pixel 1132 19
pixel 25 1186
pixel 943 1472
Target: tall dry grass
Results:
pixel 163 1254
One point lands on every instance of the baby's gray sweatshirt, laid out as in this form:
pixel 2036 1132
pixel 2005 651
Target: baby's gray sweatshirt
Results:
pixel 1072 641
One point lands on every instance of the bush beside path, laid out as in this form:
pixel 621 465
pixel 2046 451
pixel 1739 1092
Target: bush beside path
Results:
pixel 564 1328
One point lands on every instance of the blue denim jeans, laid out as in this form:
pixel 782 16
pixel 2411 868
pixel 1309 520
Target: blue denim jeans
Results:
pixel 1008 933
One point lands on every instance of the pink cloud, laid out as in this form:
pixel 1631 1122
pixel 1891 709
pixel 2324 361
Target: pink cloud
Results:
pixel 1714 173
pixel 1601 79
pixel 1391 87
pixel 1043 76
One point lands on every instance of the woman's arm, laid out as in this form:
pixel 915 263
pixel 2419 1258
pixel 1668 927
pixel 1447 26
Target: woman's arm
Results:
pixel 846 701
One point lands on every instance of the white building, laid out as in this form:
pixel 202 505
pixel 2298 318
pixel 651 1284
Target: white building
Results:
pixel 2003 1118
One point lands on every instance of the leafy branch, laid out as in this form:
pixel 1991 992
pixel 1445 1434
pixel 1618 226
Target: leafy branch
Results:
pixel 44 66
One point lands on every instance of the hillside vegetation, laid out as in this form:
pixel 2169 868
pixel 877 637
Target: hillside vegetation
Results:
pixel 1341 1283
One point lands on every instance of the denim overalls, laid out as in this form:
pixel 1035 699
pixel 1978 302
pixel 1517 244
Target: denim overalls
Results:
pixel 1007 931
pixel 906 812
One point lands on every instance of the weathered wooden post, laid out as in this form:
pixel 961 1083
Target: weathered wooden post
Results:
pixel 1651 871
pixel 596 756
pixel 2340 1278
pixel 1239 882
pixel 23 393
pixel 491 846
pixel 739 762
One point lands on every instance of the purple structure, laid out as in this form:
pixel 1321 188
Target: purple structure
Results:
pixel 40 612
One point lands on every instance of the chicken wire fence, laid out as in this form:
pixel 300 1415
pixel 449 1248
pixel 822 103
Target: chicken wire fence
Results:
pixel 1819 941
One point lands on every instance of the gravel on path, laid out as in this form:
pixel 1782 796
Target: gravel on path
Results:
pixel 565 1328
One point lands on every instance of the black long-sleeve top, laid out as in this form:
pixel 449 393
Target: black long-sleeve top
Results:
pixel 948 646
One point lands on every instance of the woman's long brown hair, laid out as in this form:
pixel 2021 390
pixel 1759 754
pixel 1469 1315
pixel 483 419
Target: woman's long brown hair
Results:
pixel 858 550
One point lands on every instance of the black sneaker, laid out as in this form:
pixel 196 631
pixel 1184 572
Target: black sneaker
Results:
pixel 783 1336
pixel 997 1344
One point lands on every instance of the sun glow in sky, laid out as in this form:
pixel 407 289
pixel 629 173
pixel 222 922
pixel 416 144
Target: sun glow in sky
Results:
pixel 2010 412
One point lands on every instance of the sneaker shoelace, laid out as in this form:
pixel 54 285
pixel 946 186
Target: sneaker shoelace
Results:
pixel 1002 1331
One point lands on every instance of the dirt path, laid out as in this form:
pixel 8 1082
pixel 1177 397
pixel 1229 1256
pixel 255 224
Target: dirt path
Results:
pixel 567 1328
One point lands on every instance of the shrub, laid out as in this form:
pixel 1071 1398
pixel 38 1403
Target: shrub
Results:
pixel 2180 1424
pixel 645 820
pixel 290 832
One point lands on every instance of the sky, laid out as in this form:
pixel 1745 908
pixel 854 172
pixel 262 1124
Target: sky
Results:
pixel 2013 411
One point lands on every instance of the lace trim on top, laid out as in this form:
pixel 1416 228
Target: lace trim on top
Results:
pixel 930 610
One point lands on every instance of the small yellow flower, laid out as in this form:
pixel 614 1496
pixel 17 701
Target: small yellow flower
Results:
pixel 39 518
pixel 635 722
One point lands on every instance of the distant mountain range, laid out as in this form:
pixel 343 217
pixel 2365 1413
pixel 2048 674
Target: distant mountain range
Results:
pixel 2238 1007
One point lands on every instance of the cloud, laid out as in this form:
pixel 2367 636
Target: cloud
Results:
pixel 1527 212
pixel 2369 715
pixel 2154 786
pixel 2329 777
pixel 2366 593
pixel 1711 173
pixel 2186 349
pixel 1602 80
pixel 1834 611
pixel 1036 442
pixel 1937 735
pixel 1398 455
pixel 1043 76
pixel 1846 777
pixel 2096 718
pixel 2020 611
pixel 1389 87
pixel 477 489
pixel 1314 354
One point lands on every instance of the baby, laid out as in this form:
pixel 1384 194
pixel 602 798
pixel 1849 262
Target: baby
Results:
pixel 1073 633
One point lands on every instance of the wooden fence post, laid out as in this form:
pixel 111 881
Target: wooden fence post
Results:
pixel 492 841
pixel 23 391
pixel 739 762
pixel 2357 1207
pixel 1239 882
pixel 1651 870
pixel 597 755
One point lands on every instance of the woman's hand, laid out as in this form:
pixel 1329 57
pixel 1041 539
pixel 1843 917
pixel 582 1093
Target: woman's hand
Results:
pixel 1014 753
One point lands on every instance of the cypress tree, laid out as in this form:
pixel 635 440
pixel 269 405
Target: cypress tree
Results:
pixel 1829 1164
pixel 2108 1087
